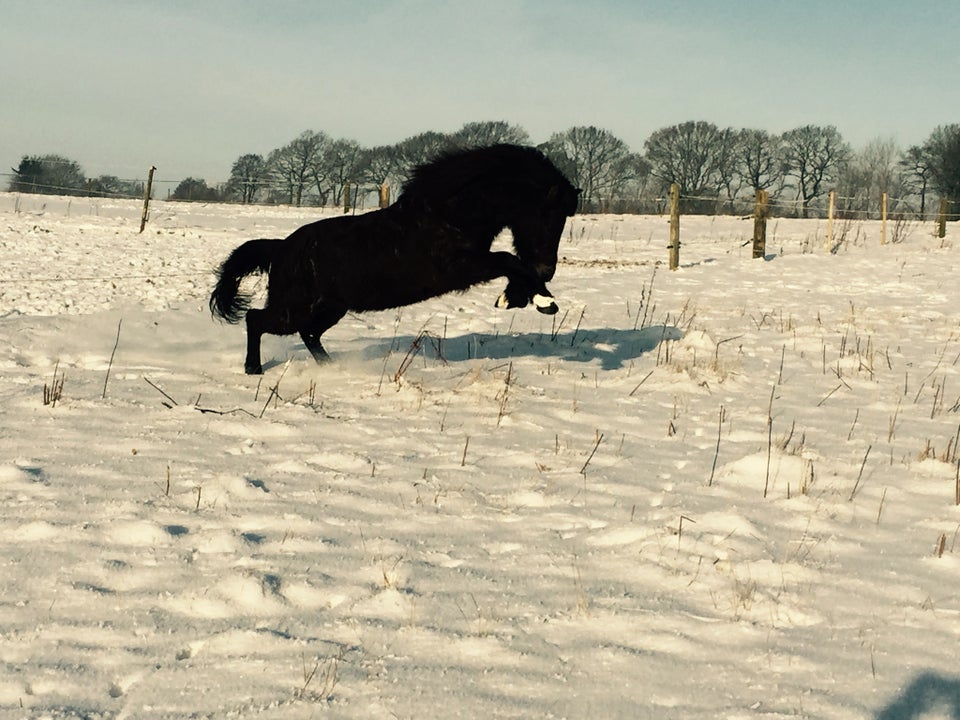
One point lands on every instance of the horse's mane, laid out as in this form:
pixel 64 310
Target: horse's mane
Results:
pixel 455 171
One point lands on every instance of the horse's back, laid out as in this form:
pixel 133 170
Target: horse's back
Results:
pixel 374 261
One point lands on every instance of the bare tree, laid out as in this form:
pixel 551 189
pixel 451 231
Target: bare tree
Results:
pixel 634 195
pixel 481 134
pixel 380 166
pixel 868 174
pixel 815 156
pixel 727 176
pixel 943 147
pixel 917 166
pixel 340 162
pixel 594 160
pixel 297 165
pixel 759 159
pixel 879 159
pixel 419 149
pixel 247 178
pixel 690 155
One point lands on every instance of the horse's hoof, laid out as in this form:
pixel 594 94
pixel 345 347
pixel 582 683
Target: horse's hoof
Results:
pixel 253 369
pixel 545 304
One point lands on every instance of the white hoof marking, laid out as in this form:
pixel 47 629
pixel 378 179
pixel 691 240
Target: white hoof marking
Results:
pixel 542 301
pixel 502 301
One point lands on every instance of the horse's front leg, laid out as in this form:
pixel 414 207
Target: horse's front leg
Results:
pixel 519 293
pixel 523 285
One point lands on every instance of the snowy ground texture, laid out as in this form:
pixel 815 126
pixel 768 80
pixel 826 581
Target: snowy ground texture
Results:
pixel 728 491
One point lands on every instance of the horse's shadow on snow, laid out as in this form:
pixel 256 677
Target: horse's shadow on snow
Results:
pixel 613 348
pixel 928 692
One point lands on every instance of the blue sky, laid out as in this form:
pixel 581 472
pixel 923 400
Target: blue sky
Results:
pixel 189 86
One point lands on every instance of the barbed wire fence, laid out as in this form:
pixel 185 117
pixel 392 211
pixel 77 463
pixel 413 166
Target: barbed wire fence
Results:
pixel 354 195
pixel 893 226
pixel 846 207
pixel 856 207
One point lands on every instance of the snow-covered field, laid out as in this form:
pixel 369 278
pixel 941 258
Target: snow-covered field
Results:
pixel 728 491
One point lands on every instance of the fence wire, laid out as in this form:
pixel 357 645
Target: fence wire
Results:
pixel 896 206
pixel 846 206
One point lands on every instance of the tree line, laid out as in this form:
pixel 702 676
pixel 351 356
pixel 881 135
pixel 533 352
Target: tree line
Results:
pixel 58 175
pixel 717 169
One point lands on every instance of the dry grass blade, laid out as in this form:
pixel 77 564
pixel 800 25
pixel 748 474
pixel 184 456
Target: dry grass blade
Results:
pixel 716 455
pixel 583 470
pixel 320 680
pixel 159 390
pixel 274 391
pixel 53 392
pixel 506 391
pixel 110 364
pixel 856 485
pixel 766 482
pixel 645 378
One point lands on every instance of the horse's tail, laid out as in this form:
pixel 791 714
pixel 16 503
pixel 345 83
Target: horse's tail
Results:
pixel 226 300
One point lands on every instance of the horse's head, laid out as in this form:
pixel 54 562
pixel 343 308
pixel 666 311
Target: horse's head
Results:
pixel 537 230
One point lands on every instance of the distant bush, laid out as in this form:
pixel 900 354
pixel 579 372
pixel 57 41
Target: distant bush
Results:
pixel 195 190
pixel 48 174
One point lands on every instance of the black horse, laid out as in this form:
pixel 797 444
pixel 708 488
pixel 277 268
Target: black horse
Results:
pixel 435 239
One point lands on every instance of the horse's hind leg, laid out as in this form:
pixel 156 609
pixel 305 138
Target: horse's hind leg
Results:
pixel 261 322
pixel 322 320
pixel 312 341
pixel 255 329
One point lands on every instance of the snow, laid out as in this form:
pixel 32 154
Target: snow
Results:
pixel 475 512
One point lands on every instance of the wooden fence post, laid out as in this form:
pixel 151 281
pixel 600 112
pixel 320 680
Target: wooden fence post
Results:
pixel 674 226
pixel 384 195
pixel 146 198
pixel 942 219
pixel 830 208
pixel 883 219
pixel 346 198
pixel 760 224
